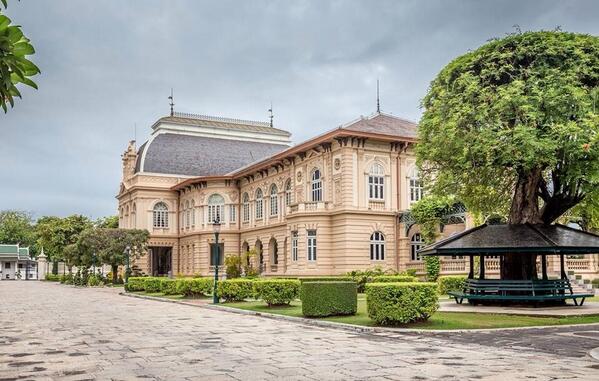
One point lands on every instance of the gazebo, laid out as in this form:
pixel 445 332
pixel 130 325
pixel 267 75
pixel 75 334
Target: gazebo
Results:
pixel 526 239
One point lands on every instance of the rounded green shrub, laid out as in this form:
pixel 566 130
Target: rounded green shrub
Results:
pixel 329 298
pixel 136 284
pixel 152 284
pixel 235 290
pixel 194 287
pixel 401 303
pixel 168 286
pixel 393 279
pixel 277 291
pixel 451 283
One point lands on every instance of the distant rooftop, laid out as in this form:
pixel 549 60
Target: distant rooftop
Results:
pixel 384 124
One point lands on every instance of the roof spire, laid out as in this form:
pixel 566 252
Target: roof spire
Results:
pixel 172 104
pixel 378 100
pixel 271 115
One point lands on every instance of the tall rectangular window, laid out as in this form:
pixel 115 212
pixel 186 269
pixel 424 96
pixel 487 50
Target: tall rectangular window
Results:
pixel 311 245
pixel 294 241
pixel 214 253
pixel 232 213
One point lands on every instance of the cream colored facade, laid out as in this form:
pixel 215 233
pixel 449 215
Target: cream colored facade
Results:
pixel 274 205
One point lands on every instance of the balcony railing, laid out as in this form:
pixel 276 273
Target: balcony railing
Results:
pixel 308 206
pixel 376 205
pixel 454 265
pixel 580 264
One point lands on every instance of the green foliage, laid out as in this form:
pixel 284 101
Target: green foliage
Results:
pixel 232 266
pixel 17 227
pixel 152 284
pixel 410 272
pixel 15 67
pixel 277 291
pixel 524 107
pixel 235 290
pixel 53 277
pixel 110 222
pixel 361 277
pixel 136 284
pixel 451 283
pixel 54 234
pixel 168 286
pixel 432 265
pixel 96 280
pixel 195 287
pixel 393 278
pixel 329 298
pixel 327 279
pixel 401 303
pixel 248 263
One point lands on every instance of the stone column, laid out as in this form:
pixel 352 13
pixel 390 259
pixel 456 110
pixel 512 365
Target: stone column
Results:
pixel 42 266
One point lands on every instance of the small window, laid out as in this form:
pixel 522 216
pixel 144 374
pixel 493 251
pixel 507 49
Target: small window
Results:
pixel 294 241
pixel 259 204
pixel 416 191
pixel 316 186
pixel 311 245
pixel 415 245
pixel 246 207
pixel 7 265
pixel 274 200
pixel 377 247
pixel 160 215
pixel 376 182
pixel 288 194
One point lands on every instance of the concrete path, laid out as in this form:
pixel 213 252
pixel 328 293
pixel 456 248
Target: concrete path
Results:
pixel 50 331
pixel 588 308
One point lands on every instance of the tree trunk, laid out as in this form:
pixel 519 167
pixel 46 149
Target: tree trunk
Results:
pixel 524 209
pixel 115 273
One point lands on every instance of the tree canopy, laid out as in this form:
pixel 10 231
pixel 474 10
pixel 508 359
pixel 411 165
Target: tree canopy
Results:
pixel 54 234
pixel 17 227
pixel 512 127
pixel 15 67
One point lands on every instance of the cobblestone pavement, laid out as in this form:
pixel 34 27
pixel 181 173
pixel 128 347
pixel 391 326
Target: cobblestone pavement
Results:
pixel 55 332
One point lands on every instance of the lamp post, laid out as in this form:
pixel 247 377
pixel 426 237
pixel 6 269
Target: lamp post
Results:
pixel 216 229
pixel 127 269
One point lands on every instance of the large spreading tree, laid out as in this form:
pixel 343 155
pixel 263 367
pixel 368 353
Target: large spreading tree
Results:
pixel 513 127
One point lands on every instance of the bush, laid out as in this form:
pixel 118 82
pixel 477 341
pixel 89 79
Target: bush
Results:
pixel 401 303
pixel 168 286
pixel 393 278
pixel 67 278
pixel 451 283
pixel 152 284
pixel 136 284
pixel 194 287
pixel 329 298
pixel 432 264
pixel 95 280
pixel 361 277
pixel 410 272
pixel 235 290
pixel 595 283
pixel 277 291
pixel 233 266
pixel 327 279
pixel 53 278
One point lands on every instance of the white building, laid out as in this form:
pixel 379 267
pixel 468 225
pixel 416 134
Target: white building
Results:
pixel 15 263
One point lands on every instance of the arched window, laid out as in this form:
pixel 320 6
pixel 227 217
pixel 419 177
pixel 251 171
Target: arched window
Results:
pixel 160 215
pixel 377 246
pixel 259 204
pixel 216 208
pixel 316 185
pixel 288 195
pixel 415 245
pixel 246 207
pixel 416 191
pixel 274 200
pixel 376 182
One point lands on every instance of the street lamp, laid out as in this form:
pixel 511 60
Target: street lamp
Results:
pixel 127 269
pixel 216 230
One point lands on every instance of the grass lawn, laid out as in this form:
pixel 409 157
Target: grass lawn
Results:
pixel 440 320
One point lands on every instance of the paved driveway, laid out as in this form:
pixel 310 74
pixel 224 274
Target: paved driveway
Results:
pixel 50 331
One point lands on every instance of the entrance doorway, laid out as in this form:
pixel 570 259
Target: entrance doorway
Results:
pixel 160 260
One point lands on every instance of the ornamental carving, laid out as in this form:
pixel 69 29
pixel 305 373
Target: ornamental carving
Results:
pixel 233 196
pixel 337 164
pixel 299 176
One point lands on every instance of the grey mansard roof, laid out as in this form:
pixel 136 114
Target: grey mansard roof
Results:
pixel 188 155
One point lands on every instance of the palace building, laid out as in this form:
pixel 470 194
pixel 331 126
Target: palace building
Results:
pixel 335 203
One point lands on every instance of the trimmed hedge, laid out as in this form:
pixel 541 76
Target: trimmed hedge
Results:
pixel 152 284
pixel 168 286
pixel 277 291
pixel 329 298
pixel 393 278
pixel 194 287
pixel 136 284
pixel 53 277
pixel 451 283
pixel 401 303
pixel 327 279
pixel 235 290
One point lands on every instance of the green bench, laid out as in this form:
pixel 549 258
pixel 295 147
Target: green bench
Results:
pixel 476 290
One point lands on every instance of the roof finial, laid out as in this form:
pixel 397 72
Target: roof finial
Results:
pixel 172 104
pixel 378 101
pixel 271 115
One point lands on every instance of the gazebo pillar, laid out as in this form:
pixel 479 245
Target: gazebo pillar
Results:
pixel 562 266
pixel 482 267
pixel 544 266
pixel 471 273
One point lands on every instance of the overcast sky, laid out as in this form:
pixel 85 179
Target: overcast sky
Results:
pixel 108 65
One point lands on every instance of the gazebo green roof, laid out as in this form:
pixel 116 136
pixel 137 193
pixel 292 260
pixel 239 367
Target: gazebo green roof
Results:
pixel 516 239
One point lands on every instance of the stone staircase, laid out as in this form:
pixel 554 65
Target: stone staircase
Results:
pixel 579 285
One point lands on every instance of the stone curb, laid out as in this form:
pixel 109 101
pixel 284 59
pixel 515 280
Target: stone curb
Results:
pixel 344 326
